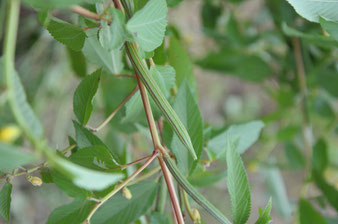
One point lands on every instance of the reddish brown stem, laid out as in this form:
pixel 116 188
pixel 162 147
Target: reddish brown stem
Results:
pixel 134 162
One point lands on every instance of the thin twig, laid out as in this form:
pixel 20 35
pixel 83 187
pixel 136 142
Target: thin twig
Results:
pixel 187 204
pixel 120 186
pixel 111 116
pixel 134 162
pixel 84 12
pixel 145 176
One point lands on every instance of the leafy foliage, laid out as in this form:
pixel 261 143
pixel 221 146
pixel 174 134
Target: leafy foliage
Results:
pixel 238 186
pixel 5 201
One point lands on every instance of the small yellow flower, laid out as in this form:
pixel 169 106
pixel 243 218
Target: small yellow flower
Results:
pixel 35 181
pixel 9 133
pixel 196 216
pixel 126 193
pixel 252 167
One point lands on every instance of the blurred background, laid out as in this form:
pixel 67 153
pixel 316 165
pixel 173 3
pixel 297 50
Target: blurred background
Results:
pixel 244 63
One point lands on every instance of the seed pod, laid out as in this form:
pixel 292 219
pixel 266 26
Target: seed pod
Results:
pixel 126 193
pixel 196 216
pixel 35 181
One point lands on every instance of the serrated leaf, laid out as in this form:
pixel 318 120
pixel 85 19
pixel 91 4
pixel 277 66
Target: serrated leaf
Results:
pixel 159 98
pixel 77 62
pixel 313 9
pixel 165 79
pixel 75 212
pixel 95 53
pixel 180 60
pixel 70 35
pixel 83 97
pixel 148 24
pixel 188 112
pixel 238 186
pixel 21 109
pixel 5 201
pixel 246 135
pixel 94 157
pixel 264 215
pixel 118 29
pixel 121 210
pixel 12 157
pixel 308 214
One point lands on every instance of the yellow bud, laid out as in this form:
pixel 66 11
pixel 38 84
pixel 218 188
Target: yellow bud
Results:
pixel 126 193
pixel 35 181
pixel 9 134
pixel 196 216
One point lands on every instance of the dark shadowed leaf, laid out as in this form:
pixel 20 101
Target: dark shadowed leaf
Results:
pixel 308 214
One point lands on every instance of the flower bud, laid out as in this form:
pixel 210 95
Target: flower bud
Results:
pixel 35 181
pixel 196 216
pixel 126 193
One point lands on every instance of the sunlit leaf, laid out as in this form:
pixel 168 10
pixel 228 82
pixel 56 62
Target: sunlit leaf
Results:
pixel 238 186
pixel 70 35
pixel 264 215
pixel 148 24
pixel 118 29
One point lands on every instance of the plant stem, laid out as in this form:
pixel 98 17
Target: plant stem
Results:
pixel 120 186
pixel 306 127
pixel 87 13
pixel 157 145
pixel 134 162
pixel 145 176
pixel 111 116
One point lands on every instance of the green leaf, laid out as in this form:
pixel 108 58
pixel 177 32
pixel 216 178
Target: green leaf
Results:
pixel 194 194
pixel 330 192
pixel 5 201
pixel 121 210
pixel 317 39
pixel 277 191
pixel 172 3
pixel 68 34
pixel 327 79
pixel 164 76
pixel 294 155
pixel 76 212
pixel 188 112
pixel 238 186
pixel 308 214
pixel 180 60
pixel 118 29
pixel 330 27
pixel 247 134
pixel 12 157
pixel 77 62
pixel 202 178
pixel 87 178
pixel 65 183
pixel 210 14
pixel 323 107
pixel 21 109
pixel 320 158
pixel 312 10
pixel 158 218
pixel 83 97
pixel 85 138
pixel 233 62
pixel 94 157
pixel 264 215
pixel 95 53
pixel 148 24
pixel 159 98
